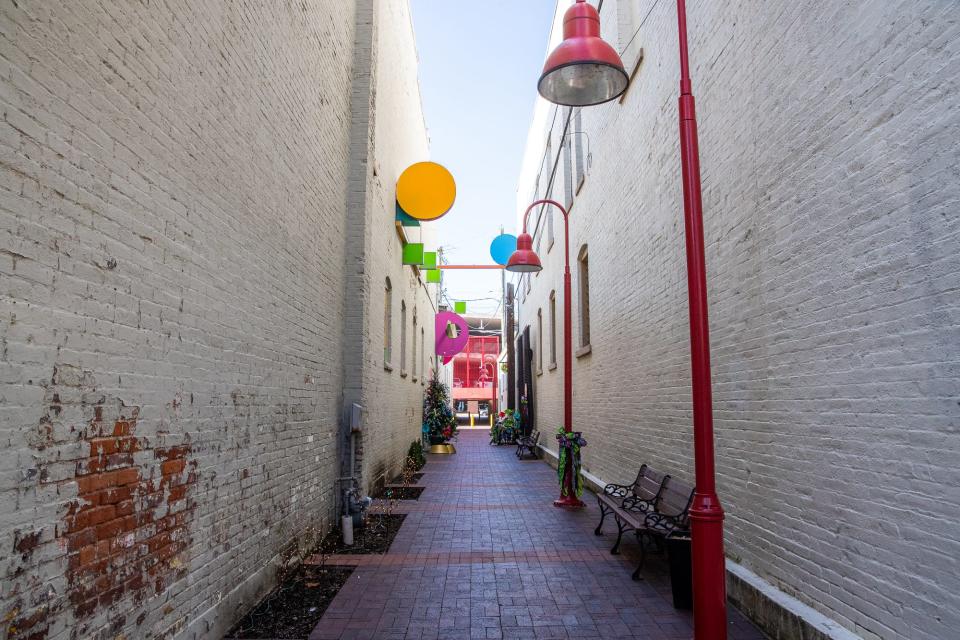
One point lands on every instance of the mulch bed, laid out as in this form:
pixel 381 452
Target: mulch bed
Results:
pixel 399 493
pixel 376 537
pixel 414 479
pixel 294 608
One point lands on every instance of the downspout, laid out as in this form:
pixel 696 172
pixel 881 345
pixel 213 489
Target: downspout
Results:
pixel 357 287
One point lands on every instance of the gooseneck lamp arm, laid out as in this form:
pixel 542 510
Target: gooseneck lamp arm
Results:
pixel 567 312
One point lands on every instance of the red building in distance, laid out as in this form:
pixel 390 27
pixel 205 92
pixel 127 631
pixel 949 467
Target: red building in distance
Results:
pixel 474 388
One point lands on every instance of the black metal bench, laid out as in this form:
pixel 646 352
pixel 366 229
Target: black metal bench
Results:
pixel 646 488
pixel 528 444
pixel 656 519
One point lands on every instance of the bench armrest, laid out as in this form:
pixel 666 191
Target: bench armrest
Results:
pixel 637 505
pixel 617 490
pixel 662 523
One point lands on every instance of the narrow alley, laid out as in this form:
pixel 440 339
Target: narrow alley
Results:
pixel 284 284
pixel 484 554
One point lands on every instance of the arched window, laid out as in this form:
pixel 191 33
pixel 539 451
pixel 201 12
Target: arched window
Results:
pixel 553 328
pixel 387 323
pixel 539 340
pixel 423 366
pixel 403 338
pixel 413 351
pixel 584 271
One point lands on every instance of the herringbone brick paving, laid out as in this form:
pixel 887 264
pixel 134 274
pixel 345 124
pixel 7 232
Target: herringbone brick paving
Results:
pixel 484 554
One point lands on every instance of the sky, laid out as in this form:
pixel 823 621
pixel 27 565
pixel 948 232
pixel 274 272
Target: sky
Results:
pixel 479 65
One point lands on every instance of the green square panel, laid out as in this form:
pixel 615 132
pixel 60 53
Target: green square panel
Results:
pixel 413 253
pixel 429 259
pixel 433 276
pixel 460 307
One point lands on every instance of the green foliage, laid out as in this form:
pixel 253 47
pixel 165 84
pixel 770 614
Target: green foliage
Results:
pixel 569 445
pixel 505 425
pixel 415 458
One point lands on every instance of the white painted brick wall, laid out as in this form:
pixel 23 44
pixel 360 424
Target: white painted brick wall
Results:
pixel 173 180
pixel 393 398
pixel 828 143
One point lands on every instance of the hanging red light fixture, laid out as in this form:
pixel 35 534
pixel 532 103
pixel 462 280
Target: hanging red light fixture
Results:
pixel 524 259
pixel 583 70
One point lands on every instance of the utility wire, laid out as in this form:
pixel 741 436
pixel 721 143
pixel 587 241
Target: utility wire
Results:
pixel 566 127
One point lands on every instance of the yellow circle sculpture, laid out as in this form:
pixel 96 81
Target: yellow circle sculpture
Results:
pixel 426 190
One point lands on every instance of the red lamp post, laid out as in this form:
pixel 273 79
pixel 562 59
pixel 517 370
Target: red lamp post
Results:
pixel 581 72
pixel 525 260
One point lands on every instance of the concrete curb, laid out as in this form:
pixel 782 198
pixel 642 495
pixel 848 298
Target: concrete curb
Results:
pixel 776 613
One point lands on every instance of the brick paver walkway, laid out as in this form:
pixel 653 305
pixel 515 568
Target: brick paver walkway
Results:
pixel 484 554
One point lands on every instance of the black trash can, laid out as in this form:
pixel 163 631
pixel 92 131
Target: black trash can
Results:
pixel 681 573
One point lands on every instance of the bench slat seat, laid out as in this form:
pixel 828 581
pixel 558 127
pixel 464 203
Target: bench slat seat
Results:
pixel 656 519
pixel 645 489
pixel 528 444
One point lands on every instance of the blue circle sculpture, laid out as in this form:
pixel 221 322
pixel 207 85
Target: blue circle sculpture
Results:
pixel 502 248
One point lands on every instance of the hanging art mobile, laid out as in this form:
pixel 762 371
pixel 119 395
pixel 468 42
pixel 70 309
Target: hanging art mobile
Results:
pixel 451 333
pixel 426 191
pixel 503 247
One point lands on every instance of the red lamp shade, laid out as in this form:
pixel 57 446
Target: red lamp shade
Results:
pixel 583 70
pixel 524 259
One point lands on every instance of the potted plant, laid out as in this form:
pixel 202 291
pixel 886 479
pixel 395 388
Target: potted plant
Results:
pixel 439 423
pixel 506 429
pixel 497 429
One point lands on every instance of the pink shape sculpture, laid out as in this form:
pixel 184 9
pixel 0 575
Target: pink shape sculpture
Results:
pixel 447 346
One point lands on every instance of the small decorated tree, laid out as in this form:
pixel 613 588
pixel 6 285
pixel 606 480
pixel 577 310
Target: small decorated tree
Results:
pixel 439 423
pixel 415 459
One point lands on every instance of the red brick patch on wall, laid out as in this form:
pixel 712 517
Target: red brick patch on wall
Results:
pixel 125 527
pixel 125 532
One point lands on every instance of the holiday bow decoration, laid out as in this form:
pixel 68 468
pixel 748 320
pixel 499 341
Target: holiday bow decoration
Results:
pixel 570 443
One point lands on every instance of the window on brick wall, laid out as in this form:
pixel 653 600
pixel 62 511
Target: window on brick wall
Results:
pixel 539 340
pixel 543 190
pixel 387 322
pixel 413 351
pixel 550 236
pixel 584 272
pixel 546 168
pixel 579 158
pixel 548 191
pixel 423 363
pixel 553 328
pixel 403 338
pixel 537 244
